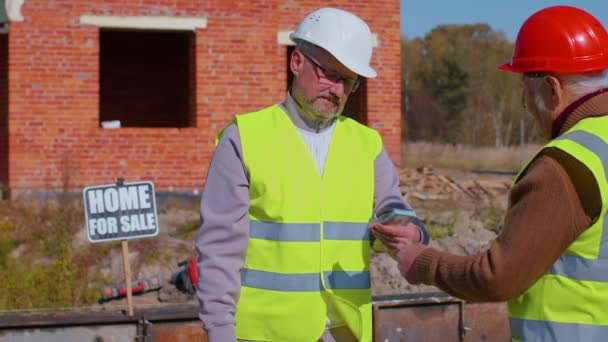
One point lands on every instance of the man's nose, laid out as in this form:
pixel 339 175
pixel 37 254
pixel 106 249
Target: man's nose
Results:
pixel 338 88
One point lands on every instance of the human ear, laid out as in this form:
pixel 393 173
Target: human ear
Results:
pixel 557 92
pixel 296 62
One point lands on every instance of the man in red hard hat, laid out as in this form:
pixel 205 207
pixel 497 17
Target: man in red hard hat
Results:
pixel 551 259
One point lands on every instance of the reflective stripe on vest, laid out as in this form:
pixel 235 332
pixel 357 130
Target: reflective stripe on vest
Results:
pixel 568 302
pixel 556 331
pixel 572 266
pixel 338 280
pixel 308 232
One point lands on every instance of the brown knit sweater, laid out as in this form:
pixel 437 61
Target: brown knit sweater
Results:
pixel 551 205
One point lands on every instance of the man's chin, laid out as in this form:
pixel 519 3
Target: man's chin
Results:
pixel 328 112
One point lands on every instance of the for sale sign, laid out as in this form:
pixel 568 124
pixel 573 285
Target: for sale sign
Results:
pixel 120 211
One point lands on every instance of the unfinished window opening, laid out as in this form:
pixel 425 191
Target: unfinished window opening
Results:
pixel 146 78
pixel 356 106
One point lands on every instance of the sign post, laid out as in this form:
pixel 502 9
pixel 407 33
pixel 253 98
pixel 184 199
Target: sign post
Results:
pixel 121 211
pixel 127 268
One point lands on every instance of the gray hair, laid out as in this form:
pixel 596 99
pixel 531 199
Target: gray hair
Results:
pixel 583 84
pixel 577 84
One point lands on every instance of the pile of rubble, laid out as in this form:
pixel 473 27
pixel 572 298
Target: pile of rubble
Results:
pixel 424 184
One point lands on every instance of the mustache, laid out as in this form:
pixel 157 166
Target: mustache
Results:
pixel 333 98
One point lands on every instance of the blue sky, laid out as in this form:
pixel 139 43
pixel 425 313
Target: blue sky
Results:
pixel 418 17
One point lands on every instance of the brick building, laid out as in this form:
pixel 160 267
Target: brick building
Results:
pixel 93 90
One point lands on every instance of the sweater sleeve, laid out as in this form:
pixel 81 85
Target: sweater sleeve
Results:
pixel 388 194
pixel 223 237
pixel 386 184
pixel 547 212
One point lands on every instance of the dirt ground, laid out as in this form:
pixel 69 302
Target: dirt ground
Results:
pixel 464 217
pixel 462 210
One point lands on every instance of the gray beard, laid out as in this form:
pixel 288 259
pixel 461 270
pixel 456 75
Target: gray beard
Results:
pixel 311 116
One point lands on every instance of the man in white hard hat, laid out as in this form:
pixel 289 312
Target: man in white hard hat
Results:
pixel 284 240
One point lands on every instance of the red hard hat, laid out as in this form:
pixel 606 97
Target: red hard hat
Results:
pixel 561 39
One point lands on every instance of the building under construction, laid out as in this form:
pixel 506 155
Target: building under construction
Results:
pixel 95 90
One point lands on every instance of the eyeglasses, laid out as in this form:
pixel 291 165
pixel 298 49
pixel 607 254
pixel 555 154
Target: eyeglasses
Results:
pixel 335 76
pixel 530 75
pixel 535 74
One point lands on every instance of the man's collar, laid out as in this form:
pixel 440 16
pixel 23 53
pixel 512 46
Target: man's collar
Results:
pixel 576 111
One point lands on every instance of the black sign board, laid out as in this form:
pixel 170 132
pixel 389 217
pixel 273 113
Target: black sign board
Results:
pixel 120 211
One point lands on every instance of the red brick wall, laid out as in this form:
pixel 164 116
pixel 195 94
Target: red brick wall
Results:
pixel 3 113
pixel 240 67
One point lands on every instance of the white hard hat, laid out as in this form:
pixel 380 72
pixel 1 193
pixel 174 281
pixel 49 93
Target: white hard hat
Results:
pixel 344 35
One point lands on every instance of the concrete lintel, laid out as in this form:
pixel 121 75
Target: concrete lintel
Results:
pixel 145 22
pixel 13 10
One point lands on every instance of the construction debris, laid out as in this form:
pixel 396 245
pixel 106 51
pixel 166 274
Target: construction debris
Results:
pixel 424 184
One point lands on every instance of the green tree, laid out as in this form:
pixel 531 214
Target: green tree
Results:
pixel 471 100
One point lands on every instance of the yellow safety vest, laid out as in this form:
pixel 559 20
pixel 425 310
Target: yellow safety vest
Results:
pixel 309 241
pixel 570 301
